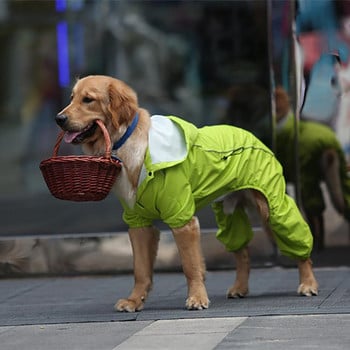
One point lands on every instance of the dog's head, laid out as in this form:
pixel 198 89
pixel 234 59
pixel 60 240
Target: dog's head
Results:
pixel 97 97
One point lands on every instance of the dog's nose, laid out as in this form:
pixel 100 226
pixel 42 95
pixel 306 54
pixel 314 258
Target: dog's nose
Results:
pixel 61 119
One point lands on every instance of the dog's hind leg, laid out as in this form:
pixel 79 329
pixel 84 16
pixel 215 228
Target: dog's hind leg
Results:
pixel 240 287
pixel 308 285
pixel 188 243
pixel 144 243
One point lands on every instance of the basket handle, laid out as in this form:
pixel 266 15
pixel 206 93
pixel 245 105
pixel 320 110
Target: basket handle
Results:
pixel 108 150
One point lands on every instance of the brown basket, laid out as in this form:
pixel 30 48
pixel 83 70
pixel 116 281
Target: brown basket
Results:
pixel 81 178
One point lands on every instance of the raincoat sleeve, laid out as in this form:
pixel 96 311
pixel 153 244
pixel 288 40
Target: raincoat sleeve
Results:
pixel 134 220
pixel 167 197
pixel 174 199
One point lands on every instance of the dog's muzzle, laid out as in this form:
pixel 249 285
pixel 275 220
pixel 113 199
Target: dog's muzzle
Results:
pixel 61 119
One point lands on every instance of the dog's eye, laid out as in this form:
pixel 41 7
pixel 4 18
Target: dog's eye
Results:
pixel 87 99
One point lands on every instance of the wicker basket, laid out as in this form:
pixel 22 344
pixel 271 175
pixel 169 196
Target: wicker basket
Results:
pixel 81 178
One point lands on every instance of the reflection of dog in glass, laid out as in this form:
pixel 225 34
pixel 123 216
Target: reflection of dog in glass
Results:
pixel 171 169
pixel 320 155
pixel 320 159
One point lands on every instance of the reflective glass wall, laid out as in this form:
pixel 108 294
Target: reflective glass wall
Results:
pixel 186 58
pixel 208 62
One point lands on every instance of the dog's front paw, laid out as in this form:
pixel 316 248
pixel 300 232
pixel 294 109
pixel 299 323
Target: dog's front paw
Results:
pixel 308 288
pixel 237 291
pixel 128 305
pixel 197 302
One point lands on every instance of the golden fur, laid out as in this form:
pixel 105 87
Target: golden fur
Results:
pixel 115 103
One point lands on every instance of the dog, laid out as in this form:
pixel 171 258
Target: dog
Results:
pixel 172 168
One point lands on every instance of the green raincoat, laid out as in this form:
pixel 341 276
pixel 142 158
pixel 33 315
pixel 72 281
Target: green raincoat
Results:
pixel 186 168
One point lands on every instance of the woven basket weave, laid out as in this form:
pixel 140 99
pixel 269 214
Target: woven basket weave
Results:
pixel 81 178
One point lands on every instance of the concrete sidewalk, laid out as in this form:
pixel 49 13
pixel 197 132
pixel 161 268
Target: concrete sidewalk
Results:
pixel 269 332
pixel 77 313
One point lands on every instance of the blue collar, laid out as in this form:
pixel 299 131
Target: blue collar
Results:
pixel 127 133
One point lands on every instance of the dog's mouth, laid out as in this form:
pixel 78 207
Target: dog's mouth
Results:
pixel 79 136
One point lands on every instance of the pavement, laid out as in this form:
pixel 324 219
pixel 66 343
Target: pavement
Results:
pixel 76 312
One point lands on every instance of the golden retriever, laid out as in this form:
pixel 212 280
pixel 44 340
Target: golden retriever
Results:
pixel 115 104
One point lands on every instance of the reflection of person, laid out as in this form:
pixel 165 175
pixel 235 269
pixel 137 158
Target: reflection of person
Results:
pixel 320 157
pixel 40 103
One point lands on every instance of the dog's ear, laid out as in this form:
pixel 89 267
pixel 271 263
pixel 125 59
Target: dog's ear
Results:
pixel 122 104
pixel 282 102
